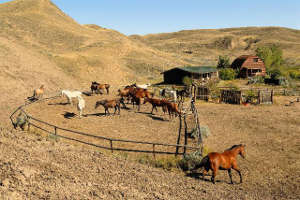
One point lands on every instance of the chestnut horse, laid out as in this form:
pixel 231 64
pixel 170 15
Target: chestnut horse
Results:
pixel 97 87
pixel 157 103
pixel 38 93
pixel 222 161
pixel 137 94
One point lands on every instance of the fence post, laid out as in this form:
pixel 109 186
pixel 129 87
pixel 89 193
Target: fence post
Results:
pixel 272 93
pixel 111 146
pixel 185 135
pixel 153 150
pixel 179 134
pixel 55 130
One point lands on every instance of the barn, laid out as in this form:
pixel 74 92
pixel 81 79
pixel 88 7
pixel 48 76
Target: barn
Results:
pixel 249 66
pixel 196 73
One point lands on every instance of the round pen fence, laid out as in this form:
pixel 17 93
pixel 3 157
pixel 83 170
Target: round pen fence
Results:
pixel 106 143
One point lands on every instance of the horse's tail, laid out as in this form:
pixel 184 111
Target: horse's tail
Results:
pixel 204 162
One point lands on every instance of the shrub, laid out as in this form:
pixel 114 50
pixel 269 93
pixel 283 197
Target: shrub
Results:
pixel 227 74
pixel 187 81
pixel 294 74
pixel 255 80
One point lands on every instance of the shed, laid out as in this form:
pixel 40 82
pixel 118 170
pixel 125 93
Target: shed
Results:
pixel 196 73
pixel 249 66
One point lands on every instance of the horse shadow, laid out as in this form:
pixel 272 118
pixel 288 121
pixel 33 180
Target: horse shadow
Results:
pixel 87 93
pixel 55 104
pixel 156 117
pixel 197 175
pixel 96 114
pixel 69 115
pixel 32 99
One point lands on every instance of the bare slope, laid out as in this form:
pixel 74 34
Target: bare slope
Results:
pixel 204 46
pixel 39 44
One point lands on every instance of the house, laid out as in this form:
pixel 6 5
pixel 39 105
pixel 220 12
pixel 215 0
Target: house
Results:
pixel 196 73
pixel 249 66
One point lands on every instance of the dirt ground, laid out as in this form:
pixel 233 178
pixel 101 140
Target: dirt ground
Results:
pixel 36 167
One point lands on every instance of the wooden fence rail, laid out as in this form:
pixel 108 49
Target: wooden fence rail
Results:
pixel 32 121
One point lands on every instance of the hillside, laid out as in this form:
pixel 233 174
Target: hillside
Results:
pixel 204 46
pixel 39 44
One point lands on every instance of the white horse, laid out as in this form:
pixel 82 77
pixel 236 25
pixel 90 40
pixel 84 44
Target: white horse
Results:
pixel 80 105
pixel 143 86
pixel 71 94
pixel 168 93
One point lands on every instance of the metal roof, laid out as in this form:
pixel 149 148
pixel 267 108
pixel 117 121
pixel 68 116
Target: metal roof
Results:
pixel 196 69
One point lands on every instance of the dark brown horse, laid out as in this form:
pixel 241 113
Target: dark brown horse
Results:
pixel 157 103
pixel 97 87
pixel 114 103
pixel 223 161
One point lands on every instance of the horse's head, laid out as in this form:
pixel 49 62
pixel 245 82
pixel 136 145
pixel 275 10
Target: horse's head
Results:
pixel 242 150
pixel 98 103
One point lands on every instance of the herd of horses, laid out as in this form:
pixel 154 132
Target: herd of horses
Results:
pixel 134 94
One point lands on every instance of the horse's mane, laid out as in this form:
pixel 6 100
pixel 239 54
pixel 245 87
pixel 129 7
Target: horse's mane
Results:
pixel 234 146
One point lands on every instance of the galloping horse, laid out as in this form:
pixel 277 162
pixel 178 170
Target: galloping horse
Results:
pixel 223 161
pixel 38 93
pixel 97 87
pixel 70 95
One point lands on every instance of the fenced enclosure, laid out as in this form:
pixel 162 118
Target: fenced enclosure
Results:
pixel 106 143
pixel 202 93
pixel 265 97
pixel 231 96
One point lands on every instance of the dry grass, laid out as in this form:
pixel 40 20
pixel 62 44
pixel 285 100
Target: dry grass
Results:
pixel 271 167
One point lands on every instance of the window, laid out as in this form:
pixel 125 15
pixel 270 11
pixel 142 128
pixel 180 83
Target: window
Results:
pixel 255 59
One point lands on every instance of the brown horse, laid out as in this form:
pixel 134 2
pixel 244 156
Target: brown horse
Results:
pixel 115 103
pixel 97 87
pixel 137 94
pixel 157 103
pixel 222 161
pixel 38 93
pixel 172 109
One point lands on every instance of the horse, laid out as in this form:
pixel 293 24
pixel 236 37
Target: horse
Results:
pixel 115 103
pixel 223 161
pixel 156 103
pixel 137 94
pixel 172 109
pixel 38 93
pixel 182 93
pixel 168 93
pixel 143 86
pixel 97 87
pixel 70 94
pixel 80 105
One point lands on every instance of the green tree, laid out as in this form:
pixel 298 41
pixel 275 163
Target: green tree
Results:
pixel 272 56
pixel 223 62
pixel 227 74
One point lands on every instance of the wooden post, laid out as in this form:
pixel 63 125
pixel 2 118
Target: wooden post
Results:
pixel 111 146
pixel 258 100
pixel 272 93
pixel 154 151
pixel 185 135
pixel 179 134
pixel 55 130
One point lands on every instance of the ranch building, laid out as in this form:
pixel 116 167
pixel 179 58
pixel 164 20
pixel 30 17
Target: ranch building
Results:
pixel 198 74
pixel 249 66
